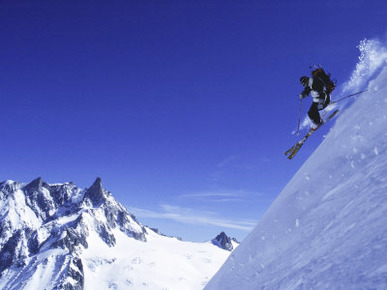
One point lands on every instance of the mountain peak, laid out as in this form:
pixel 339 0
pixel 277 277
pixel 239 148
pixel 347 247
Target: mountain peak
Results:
pixel 51 237
pixel 223 241
pixel 98 182
pixel 35 185
pixel 40 217
pixel 95 193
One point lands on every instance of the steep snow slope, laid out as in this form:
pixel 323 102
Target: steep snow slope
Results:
pixel 61 237
pixel 327 229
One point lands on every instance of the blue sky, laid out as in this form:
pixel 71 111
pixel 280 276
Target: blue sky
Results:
pixel 183 108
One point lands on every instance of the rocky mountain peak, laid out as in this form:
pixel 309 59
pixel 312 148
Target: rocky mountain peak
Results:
pixel 56 221
pixel 223 241
pixel 96 193
pixel 33 186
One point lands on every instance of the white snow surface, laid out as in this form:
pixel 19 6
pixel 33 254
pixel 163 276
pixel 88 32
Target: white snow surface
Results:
pixel 328 227
pixel 160 263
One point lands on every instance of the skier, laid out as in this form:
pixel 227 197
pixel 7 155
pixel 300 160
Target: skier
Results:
pixel 319 86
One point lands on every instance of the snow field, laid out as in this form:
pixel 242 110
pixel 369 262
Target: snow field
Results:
pixel 160 263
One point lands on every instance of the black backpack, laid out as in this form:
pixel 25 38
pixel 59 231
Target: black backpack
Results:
pixel 325 78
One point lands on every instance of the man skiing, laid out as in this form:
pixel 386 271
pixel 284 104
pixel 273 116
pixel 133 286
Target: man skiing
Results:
pixel 319 86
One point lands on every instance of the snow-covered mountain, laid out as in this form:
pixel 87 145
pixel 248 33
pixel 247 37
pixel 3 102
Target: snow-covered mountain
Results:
pixel 225 242
pixel 328 227
pixel 58 236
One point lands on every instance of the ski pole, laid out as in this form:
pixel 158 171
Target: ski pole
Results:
pixel 299 119
pixel 351 95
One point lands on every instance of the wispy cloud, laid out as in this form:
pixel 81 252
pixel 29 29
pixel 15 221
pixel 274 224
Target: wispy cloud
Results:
pixel 195 217
pixel 223 165
pixel 221 196
pixel 215 196
pixel 227 161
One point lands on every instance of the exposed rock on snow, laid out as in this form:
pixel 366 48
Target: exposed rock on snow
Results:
pixel 62 237
pixel 225 242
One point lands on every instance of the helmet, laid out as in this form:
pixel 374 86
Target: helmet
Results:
pixel 304 81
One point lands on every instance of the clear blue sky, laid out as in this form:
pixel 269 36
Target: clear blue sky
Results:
pixel 183 108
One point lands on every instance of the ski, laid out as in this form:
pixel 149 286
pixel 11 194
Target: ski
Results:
pixel 293 150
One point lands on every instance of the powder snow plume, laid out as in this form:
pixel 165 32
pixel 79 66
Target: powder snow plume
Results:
pixel 373 56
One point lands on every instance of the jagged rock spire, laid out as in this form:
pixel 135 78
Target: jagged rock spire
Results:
pixel 62 220
pixel 223 241
pixel 34 185
pixel 95 193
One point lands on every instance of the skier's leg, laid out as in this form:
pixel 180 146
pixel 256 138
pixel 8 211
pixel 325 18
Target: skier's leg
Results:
pixel 314 114
pixel 327 100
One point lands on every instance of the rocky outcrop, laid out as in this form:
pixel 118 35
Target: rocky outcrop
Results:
pixel 54 221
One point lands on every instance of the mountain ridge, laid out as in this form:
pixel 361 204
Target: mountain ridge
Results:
pixel 51 236
pixel 55 220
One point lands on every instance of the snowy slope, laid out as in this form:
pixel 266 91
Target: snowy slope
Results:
pixel 328 227
pixel 161 263
pixel 57 236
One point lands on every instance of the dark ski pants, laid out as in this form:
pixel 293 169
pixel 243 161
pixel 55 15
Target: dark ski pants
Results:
pixel 313 113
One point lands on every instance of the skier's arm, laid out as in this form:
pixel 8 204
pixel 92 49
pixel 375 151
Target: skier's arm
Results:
pixel 305 93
